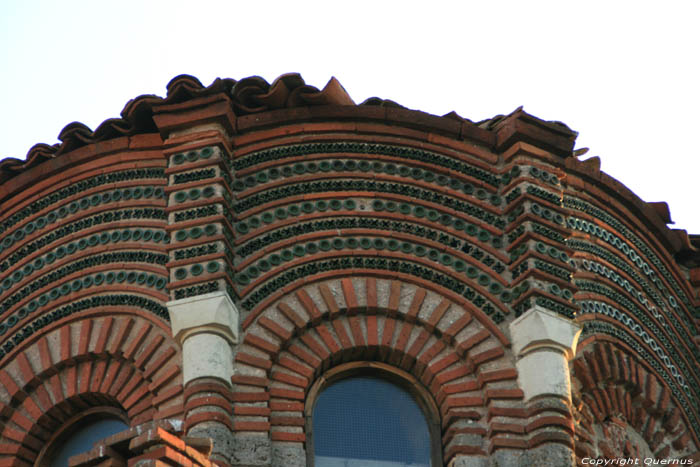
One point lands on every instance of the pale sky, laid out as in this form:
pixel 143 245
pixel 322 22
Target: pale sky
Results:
pixel 624 74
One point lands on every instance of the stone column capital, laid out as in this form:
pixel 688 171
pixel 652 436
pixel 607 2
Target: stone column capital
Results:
pixel 543 344
pixel 540 329
pixel 212 313
pixel 205 326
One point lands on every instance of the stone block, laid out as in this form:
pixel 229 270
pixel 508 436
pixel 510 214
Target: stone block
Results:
pixel 206 326
pixel 469 461
pixel 207 356
pixel 288 455
pixel 251 449
pixel 543 343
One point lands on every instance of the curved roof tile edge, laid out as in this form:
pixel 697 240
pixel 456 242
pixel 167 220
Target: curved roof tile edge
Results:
pixel 655 214
pixel 253 95
pixel 248 96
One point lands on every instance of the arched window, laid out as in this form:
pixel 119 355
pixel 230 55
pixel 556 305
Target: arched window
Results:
pixel 79 434
pixel 372 415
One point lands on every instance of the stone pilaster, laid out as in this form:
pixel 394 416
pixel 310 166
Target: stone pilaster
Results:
pixel 206 326
pixel 543 344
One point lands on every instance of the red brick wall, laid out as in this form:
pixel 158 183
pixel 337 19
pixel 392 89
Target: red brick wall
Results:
pixel 342 233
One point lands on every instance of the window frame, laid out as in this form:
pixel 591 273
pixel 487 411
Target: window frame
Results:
pixel 69 426
pixel 404 380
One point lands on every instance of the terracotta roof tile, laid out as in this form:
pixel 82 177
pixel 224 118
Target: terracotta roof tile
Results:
pixel 253 95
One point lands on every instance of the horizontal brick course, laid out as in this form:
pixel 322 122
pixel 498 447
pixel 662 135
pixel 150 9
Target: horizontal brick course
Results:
pixel 299 322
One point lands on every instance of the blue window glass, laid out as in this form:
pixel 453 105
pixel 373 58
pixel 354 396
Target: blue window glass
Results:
pixel 82 438
pixel 369 422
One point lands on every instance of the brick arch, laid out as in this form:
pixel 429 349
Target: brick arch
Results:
pixel 135 291
pixel 621 404
pixel 397 277
pixel 454 356
pixel 117 360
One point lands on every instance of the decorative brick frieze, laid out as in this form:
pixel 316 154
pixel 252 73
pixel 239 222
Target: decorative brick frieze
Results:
pixel 199 203
pixel 324 233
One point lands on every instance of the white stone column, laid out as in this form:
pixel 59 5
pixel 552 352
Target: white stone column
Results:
pixel 543 343
pixel 206 326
